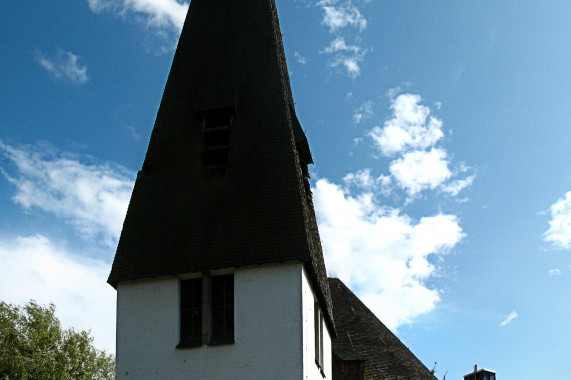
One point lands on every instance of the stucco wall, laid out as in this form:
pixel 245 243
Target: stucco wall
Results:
pixel 271 317
pixel 310 369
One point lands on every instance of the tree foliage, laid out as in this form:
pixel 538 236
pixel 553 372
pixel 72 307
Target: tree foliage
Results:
pixel 33 345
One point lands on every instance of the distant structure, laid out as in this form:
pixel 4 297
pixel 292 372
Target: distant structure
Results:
pixel 219 270
pixel 481 374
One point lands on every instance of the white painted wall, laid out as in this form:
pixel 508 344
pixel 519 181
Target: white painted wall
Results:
pixel 271 335
pixel 310 369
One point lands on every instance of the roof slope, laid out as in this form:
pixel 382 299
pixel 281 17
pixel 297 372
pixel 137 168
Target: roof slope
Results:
pixel 362 336
pixel 183 218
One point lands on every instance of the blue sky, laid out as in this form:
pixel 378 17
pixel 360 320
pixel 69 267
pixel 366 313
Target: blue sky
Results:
pixel 440 133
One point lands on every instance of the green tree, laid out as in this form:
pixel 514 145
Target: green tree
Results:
pixel 33 345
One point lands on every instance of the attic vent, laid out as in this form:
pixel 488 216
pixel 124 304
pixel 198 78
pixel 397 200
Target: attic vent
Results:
pixel 216 125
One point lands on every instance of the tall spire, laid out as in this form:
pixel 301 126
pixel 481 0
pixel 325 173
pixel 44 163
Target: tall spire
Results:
pixel 224 182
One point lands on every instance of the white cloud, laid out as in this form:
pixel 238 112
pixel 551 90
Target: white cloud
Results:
pixel 559 232
pixel 92 197
pixel 364 180
pixel 420 170
pixel 554 272
pixel 158 13
pixel 509 318
pixel 132 132
pixel 34 267
pixel 454 187
pixel 65 65
pixel 346 56
pixel 409 137
pixel 337 16
pixel 363 113
pixel 411 127
pixel 300 59
pixel 339 44
pixel 351 64
pixel 380 253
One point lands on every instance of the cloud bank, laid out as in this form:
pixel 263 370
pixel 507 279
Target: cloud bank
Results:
pixel 34 267
pixel 381 253
pixel 93 198
pixel 387 257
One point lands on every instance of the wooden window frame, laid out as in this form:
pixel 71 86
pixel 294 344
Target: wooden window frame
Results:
pixel 208 334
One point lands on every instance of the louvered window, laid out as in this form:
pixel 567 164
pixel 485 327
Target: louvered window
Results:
pixel 216 125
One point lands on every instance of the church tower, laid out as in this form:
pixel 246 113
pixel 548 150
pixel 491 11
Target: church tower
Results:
pixel 219 269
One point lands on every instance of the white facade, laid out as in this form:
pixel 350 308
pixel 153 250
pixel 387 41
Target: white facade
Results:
pixel 273 324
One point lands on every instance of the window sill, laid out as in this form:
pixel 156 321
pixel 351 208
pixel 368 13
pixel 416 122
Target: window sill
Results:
pixel 221 341
pixel 188 344
pixel 216 342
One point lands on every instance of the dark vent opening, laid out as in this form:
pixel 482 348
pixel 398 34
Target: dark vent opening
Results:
pixel 216 125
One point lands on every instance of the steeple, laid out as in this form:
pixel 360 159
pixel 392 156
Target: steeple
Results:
pixel 225 181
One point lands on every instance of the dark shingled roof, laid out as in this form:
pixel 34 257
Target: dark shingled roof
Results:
pixel 183 218
pixel 362 336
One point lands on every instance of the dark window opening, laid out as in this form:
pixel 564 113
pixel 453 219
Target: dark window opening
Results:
pixel 191 312
pixel 222 309
pixel 217 117
pixel 318 325
pixel 216 125
pixel 207 311
pixel 352 370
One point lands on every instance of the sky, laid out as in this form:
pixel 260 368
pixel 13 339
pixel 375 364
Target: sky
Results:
pixel 439 131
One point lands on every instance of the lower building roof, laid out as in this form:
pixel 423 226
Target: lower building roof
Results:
pixel 362 336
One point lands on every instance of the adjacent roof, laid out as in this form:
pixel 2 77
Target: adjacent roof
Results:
pixel 362 336
pixel 258 209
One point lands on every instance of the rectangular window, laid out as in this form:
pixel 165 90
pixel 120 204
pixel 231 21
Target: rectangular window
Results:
pixel 318 324
pixel 216 125
pixel 191 312
pixel 222 309
pixel 207 311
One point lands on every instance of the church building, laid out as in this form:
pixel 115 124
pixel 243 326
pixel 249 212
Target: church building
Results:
pixel 219 269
